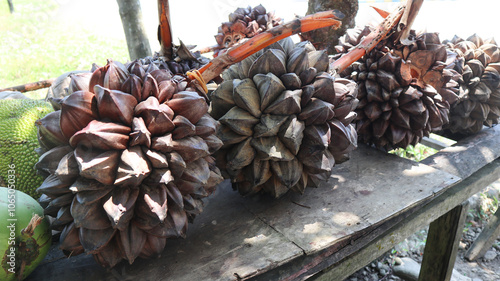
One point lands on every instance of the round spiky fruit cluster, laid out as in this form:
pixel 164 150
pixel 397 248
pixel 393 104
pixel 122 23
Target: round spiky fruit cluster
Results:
pixel 127 162
pixel 245 23
pixel 475 95
pixel 284 120
pixel 399 102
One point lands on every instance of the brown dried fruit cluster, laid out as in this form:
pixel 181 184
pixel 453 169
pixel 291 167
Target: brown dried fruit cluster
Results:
pixel 127 161
pixel 245 23
pixel 475 92
pixel 284 120
pixel 399 99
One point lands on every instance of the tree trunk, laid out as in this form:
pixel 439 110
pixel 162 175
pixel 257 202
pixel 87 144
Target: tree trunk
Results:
pixel 11 6
pixel 327 38
pixel 137 40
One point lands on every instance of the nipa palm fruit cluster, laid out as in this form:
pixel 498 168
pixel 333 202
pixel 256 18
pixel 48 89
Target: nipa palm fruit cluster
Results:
pixel 127 161
pixel 399 100
pixel 244 23
pixel 474 93
pixel 284 120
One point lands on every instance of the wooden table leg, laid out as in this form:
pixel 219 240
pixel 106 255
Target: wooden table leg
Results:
pixel 487 237
pixel 442 244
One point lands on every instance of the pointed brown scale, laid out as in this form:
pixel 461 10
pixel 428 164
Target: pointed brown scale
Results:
pixel 372 111
pixel 94 240
pixel 115 75
pixel 63 217
pixel 163 143
pixel 70 240
pixel 270 87
pixel 49 130
pixel 92 196
pixel 140 134
pixel 379 127
pixel 190 148
pixel 288 172
pixel 275 187
pixel 222 99
pixel 97 77
pixel 228 136
pixel 435 119
pixel 115 105
pixel 400 118
pixel 158 160
pixel 271 148
pixel 272 61
pixel 286 103
pixel 153 247
pixel 133 167
pixel 319 60
pixel 91 216
pixel 307 94
pixel 79 82
pixel 480 112
pixel 102 135
pixel 163 176
pixel 324 88
pixel 239 121
pixel 396 134
pixel 317 112
pixel 291 133
pixel 308 75
pixel 316 161
pixel 301 185
pixel 190 187
pixel 213 143
pixel 133 86
pixel 176 164
pixel 61 201
pixel 166 90
pixel 77 110
pixel 197 171
pixel 387 80
pixel 388 62
pixel 119 206
pixel 373 91
pixel 491 78
pixel 269 125
pixel 149 87
pixel 188 104
pixel 131 242
pixel 297 61
pixel 48 162
pixel 98 165
pixel 136 68
pixel 415 107
pixel 246 96
pixel 178 219
pixel 258 172
pixel 241 155
pixel 481 93
pixel 183 128
pixel 410 94
pixel 206 126
pixel 174 195
pixel 157 117
pixel 342 139
pixel 291 81
pixel 151 203
pixel 317 136
pixel 67 169
pixel 82 185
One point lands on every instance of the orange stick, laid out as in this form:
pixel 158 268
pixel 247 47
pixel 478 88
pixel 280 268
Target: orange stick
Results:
pixel 165 29
pixel 262 40
pixel 369 42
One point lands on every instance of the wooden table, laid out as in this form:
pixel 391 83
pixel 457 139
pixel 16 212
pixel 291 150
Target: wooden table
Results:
pixel 371 203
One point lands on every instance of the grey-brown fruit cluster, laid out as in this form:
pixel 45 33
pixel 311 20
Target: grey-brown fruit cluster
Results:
pixel 284 120
pixel 127 160
pixel 399 89
pixel 474 94
pixel 245 23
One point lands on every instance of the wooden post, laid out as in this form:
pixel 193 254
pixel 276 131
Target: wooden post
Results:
pixel 135 33
pixel 487 237
pixel 442 244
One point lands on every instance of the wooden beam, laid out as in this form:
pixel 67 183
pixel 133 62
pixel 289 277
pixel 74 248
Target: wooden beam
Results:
pixel 487 237
pixel 442 245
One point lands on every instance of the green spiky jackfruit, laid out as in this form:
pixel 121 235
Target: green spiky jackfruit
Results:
pixel 18 141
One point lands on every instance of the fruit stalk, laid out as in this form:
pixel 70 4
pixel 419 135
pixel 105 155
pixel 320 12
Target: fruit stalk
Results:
pixel 30 86
pixel 262 40
pixel 165 29
pixel 369 42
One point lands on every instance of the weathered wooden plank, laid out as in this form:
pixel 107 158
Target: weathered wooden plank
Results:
pixel 433 143
pixel 469 154
pixel 339 270
pixel 486 239
pixel 365 191
pixel 442 245
pixel 225 242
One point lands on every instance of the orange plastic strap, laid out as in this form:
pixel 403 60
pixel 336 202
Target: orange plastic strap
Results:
pixel 196 75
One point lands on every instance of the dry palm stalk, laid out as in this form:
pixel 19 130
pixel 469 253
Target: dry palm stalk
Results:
pixel 127 158
pixel 474 91
pixel 30 86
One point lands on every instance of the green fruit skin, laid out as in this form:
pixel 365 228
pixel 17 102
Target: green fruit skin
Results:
pixel 18 141
pixel 25 208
